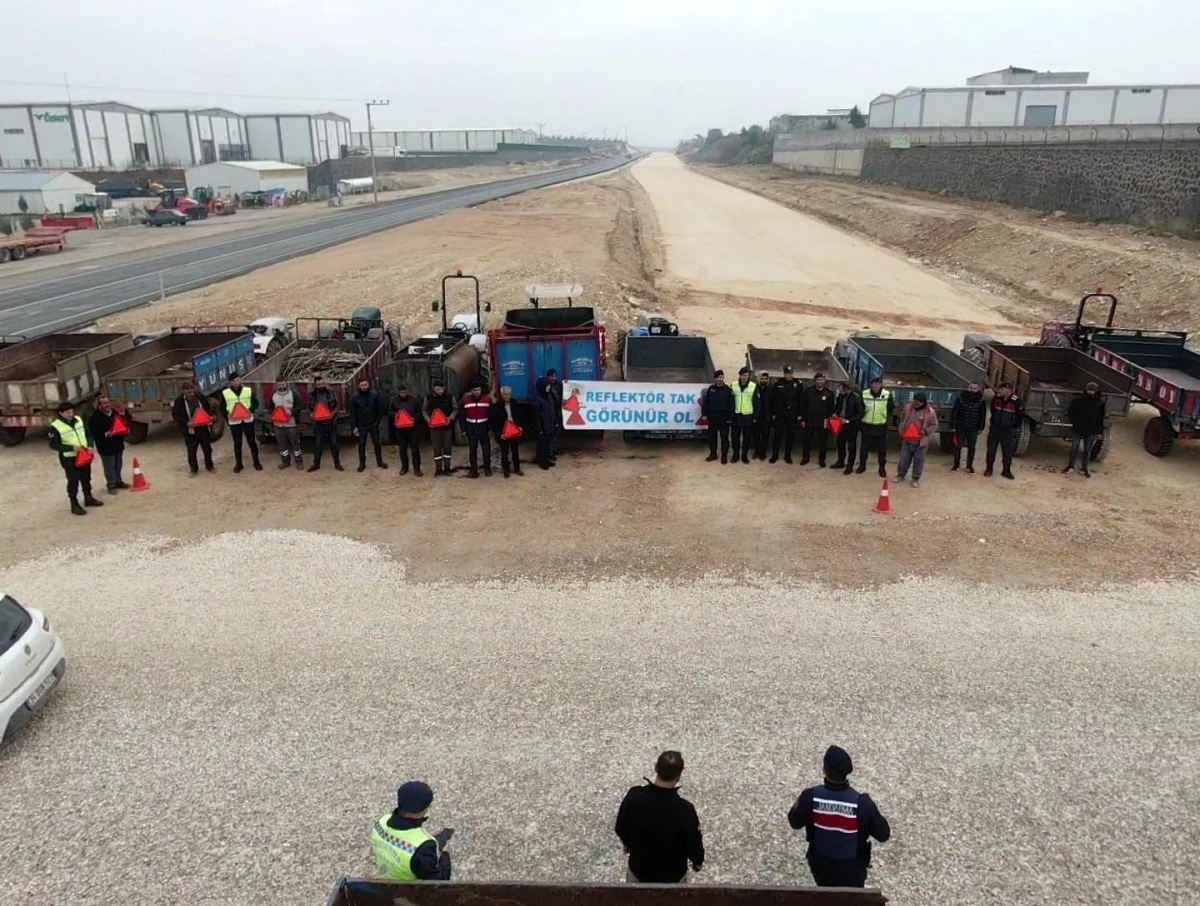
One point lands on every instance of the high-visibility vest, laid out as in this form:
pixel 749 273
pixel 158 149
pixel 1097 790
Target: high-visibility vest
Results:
pixel 394 849
pixel 475 411
pixel 743 398
pixel 233 398
pixel 875 408
pixel 73 436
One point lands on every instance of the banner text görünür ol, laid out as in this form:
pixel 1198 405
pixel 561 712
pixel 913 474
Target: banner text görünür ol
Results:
pixel 605 405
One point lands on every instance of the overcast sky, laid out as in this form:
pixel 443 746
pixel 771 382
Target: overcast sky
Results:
pixel 664 69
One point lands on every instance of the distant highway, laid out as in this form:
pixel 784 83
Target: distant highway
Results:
pixel 64 298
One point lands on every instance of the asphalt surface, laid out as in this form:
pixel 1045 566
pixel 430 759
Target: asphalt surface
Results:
pixel 72 296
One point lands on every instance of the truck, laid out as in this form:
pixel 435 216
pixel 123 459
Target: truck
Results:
pixel 1047 378
pixel 363 892
pixel 36 239
pixel 655 351
pixel 1165 375
pixel 146 379
pixel 911 366
pixel 569 339
pixel 805 363
pixel 38 375
pixel 371 355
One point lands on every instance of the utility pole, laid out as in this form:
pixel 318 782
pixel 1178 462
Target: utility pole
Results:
pixel 371 145
pixel 540 126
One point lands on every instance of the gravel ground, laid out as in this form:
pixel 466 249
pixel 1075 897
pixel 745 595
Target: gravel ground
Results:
pixel 227 739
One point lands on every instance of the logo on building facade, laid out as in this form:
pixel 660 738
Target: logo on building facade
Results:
pixel 50 117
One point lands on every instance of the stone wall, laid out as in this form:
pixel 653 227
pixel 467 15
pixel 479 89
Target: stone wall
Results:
pixel 1151 183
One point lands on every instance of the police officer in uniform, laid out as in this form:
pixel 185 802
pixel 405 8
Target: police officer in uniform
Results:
pixel 404 849
pixel 745 395
pixel 716 405
pixel 787 397
pixel 68 435
pixel 241 428
pixel 877 412
pixel 838 822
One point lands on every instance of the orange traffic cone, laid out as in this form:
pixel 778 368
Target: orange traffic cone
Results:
pixel 139 480
pixel 884 506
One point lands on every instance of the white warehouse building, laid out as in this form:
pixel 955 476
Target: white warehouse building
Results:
pixel 298 138
pixel 105 135
pixel 43 192
pixel 1026 97
pixel 229 178
pixel 443 141
pixel 201 136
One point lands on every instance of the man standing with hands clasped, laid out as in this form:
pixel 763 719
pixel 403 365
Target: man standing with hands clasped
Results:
pixel 659 828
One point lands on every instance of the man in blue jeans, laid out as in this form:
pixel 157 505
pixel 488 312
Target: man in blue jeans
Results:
pixel 1086 414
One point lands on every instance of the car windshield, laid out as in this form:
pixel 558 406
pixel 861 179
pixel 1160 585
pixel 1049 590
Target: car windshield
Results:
pixel 14 623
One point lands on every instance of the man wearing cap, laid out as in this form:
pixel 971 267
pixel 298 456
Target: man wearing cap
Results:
pixel 716 406
pixel 818 408
pixel 68 436
pixel 110 445
pixel 241 425
pixel 404 849
pixel 1007 411
pixel 659 828
pixel 1086 414
pixel 762 417
pixel 745 396
pixel 787 401
pixel 286 402
pixel 877 413
pixel 403 430
pixel 849 408
pixel 918 423
pixel 197 437
pixel 476 410
pixel 838 822
pixel 441 425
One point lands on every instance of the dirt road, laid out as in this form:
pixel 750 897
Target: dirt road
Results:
pixel 752 269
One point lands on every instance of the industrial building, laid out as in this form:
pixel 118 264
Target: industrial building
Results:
pixel 444 141
pixel 189 137
pixel 1026 97
pixel 231 178
pixel 298 138
pixel 65 136
pixel 833 118
pixel 43 192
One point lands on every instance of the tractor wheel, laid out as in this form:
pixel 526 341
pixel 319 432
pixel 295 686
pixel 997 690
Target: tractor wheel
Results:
pixel 1024 436
pixel 18 252
pixel 1159 436
pixel 138 432
pixel 5 254
pixel 1100 447
pixel 10 437
pixel 948 443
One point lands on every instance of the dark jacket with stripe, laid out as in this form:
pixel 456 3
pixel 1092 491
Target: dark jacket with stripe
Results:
pixel 868 821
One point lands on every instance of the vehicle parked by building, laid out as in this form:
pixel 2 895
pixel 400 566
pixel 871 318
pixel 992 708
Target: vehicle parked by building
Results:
pixel 165 217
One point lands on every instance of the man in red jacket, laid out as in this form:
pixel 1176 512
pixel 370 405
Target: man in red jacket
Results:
pixel 476 408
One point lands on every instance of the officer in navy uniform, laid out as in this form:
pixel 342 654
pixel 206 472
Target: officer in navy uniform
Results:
pixel 838 822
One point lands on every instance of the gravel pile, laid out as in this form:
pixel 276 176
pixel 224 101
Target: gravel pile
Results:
pixel 226 734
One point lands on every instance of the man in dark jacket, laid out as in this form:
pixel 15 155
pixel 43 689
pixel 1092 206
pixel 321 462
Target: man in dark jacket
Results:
pixel 404 850
pixel 878 406
pixel 546 411
pixel 659 828
pixel 716 405
pixel 323 409
pixel 848 406
pixel 69 438
pixel 503 424
pixel 786 410
pixel 819 402
pixel 1007 411
pixel 110 443
pixel 966 420
pixel 556 396
pixel 402 428
pixel 1086 413
pixel 762 415
pixel 366 409
pixel 441 411
pixel 838 822
pixel 190 408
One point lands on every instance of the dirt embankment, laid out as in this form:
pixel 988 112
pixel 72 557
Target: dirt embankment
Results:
pixel 1043 263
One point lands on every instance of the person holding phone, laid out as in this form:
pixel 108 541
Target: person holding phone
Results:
pixel 404 849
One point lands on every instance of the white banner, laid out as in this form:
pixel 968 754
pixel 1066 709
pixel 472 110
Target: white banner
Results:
pixel 613 406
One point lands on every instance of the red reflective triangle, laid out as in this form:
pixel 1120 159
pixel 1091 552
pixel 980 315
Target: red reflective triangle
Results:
pixel 702 421
pixel 279 416
pixel 200 418
pixel 83 456
pixel 511 430
pixel 403 419
pixel 118 426
pixel 322 413
pixel 438 419
pixel 835 425
pixel 912 432
pixel 239 411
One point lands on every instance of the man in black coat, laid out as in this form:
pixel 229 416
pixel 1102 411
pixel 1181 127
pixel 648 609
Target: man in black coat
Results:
pixel 403 430
pixel 366 409
pixel 818 407
pixel 110 444
pixel 966 420
pixel 1086 413
pixel 838 821
pixel 762 415
pixel 191 407
pixel 323 401
pixel 546 414
pixel 848 406
pixel 786 410
pixel 502 422
pixel 716 405
pixel 659 828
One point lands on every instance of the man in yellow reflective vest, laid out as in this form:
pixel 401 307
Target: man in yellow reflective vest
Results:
pixel 404 849
pixel 746 404
pixel 877 413
pixel 239 402
pixel 68 436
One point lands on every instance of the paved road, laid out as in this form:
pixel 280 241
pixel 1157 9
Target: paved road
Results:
pixel 73 296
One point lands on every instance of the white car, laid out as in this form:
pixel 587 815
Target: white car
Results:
pixel 32 661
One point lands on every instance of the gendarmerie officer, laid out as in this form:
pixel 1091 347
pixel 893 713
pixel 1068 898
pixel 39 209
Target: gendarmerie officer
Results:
pixel 717 406
pixel 787 407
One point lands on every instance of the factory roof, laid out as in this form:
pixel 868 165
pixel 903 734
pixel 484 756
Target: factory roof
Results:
pixel 259 165
pixel 27 180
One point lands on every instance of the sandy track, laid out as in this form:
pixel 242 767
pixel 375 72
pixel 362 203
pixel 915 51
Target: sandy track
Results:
pixel 727 250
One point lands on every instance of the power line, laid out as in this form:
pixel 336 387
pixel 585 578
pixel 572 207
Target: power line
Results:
pixel 209 94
